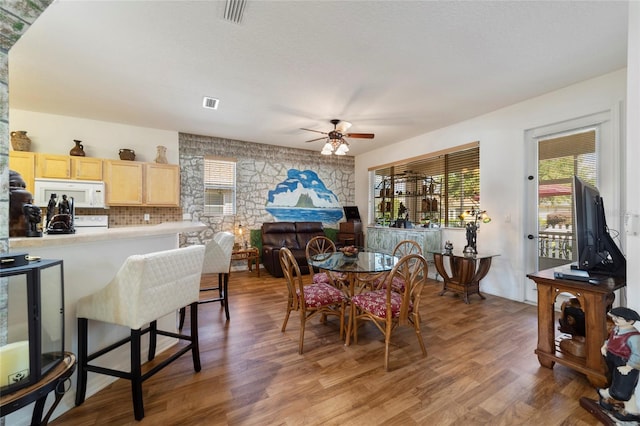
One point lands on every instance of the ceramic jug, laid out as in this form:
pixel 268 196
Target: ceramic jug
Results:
pixel 20 141
pixel 78 150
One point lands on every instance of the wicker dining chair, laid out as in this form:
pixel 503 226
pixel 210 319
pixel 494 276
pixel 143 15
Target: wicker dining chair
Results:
pixel 387 309
pixel 317 298
pixel 401 249
pixel 318 247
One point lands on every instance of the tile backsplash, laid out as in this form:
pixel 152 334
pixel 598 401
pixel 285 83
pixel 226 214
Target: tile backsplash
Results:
pixel 134 216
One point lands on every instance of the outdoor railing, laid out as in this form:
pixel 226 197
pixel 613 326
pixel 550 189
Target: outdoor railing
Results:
pixel 556 242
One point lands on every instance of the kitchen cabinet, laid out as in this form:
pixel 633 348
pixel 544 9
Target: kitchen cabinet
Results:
pixel 53 166
pixel 162 185
pixel 123 180
pixel 68 167
pixel 86 168
pixel 132 183
pixel 24 163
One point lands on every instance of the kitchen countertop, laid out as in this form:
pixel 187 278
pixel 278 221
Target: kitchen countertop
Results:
pixel 107 234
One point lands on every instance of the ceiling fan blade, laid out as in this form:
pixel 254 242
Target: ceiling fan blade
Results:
pixel 316 139
pixel 343 126
pixel 317 131
pixel 360 135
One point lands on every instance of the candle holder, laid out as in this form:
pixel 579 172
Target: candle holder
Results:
pixel 32 331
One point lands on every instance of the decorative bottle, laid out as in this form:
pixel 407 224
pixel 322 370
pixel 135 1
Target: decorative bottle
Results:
pixel 78 150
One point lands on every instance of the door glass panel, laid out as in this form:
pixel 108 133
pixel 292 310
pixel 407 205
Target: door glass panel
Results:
pixel 559 158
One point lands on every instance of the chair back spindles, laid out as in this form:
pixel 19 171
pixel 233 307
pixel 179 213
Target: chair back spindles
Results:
pixel 317 298
pixel 396 303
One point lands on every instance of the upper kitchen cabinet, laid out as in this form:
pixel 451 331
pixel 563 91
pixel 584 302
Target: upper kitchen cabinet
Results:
pixel 133 183
pixel 123 180
pixel 53 166
pixel 86 168
pixel 162 185
pixel 68 167
pixel 24 162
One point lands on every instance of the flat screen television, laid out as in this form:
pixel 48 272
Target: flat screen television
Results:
pixel 597 252
pixel 351 213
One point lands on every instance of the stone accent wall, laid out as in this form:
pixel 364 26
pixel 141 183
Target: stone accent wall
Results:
pixel 259 168
pixel 15 18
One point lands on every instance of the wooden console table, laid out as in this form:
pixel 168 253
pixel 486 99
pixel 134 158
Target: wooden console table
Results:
pixel 466 272
pixel 251 255
pixel 595 300
pixel 54 380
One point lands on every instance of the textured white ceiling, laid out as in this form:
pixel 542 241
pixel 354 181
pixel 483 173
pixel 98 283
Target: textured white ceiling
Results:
pixel 393 68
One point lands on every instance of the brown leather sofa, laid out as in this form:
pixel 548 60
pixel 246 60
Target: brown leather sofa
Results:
pixel 294 236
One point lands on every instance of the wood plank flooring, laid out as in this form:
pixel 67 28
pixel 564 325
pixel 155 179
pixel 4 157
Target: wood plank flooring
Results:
pixel 480 370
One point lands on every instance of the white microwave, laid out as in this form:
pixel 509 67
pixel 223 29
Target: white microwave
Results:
pixel 85 193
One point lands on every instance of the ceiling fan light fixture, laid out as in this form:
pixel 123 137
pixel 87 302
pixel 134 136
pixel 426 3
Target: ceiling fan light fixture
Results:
pixel 327 151
pixel 342 149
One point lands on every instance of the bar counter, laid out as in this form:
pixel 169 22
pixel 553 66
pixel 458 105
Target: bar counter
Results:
pixel 90 261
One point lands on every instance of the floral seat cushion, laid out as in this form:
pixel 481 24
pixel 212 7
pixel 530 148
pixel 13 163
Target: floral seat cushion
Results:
pixel 329 277
pixel 321 277
pixel 321 294
pixel 397 284
pixel 375 302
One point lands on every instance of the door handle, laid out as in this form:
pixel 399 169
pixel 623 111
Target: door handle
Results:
pixel 531 237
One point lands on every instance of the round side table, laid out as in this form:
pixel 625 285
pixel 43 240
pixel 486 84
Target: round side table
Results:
pixel 52 381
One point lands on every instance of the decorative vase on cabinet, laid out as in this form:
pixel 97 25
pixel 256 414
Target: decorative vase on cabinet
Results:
pixel 161 157
pixel 20 141
pixel 78 150
pixel 127 154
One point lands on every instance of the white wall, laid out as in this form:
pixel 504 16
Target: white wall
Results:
pixel 633 153
pixel 503 168
pixel 54 134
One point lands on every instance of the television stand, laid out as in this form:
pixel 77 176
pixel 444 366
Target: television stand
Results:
pixel 595 301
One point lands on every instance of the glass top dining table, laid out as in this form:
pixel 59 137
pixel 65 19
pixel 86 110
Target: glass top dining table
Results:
pixel 365 267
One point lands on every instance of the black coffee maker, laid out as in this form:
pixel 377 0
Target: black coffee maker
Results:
pixel 61 223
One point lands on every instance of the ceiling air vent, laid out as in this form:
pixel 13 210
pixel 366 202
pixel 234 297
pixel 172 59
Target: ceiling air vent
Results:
pixel 233 10
pixel 211 103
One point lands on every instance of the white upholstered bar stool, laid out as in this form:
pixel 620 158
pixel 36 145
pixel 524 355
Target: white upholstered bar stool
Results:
pixel 217 260
pixel 146 288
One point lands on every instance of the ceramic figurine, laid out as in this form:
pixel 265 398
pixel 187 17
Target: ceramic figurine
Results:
pixel 33 216
pixel 472 230
pixel 18 197
pixel 63 207
pixel 448 247
pixel 622 353
pixel 51 208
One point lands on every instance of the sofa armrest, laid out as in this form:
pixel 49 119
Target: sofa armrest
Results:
pixel 271 260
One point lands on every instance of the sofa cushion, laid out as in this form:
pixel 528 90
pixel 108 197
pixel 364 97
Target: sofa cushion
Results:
pixel 279 234
pixel 305 231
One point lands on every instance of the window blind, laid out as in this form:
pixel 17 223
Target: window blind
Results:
pixel 219 186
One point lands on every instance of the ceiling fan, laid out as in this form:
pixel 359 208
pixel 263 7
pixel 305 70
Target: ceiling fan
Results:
pixel 336 142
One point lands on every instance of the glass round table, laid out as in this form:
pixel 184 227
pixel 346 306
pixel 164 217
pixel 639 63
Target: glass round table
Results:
pixel 359 270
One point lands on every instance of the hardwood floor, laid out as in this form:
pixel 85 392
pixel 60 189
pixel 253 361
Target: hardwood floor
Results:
pixel 480 370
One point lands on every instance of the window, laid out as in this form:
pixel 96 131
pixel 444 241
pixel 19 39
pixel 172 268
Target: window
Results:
pixel 219 186
pixel 432 190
